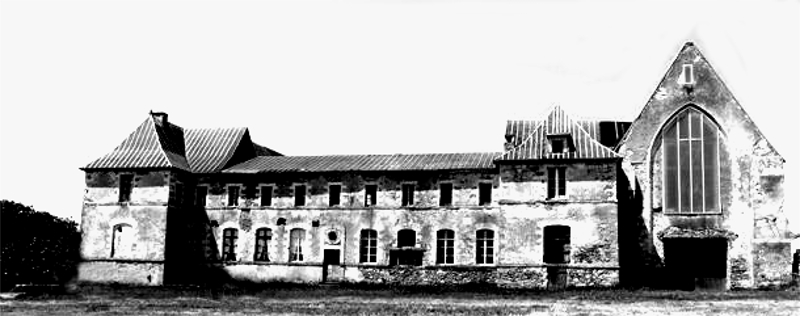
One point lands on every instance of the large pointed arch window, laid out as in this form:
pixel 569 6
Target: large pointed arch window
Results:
pixel 691 164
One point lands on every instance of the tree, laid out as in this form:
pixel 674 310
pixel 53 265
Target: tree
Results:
pixel 36 247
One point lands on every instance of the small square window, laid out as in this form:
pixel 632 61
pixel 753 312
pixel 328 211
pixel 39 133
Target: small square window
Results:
pixel 557 145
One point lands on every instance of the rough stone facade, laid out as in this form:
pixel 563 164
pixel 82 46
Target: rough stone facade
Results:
pixel 179 224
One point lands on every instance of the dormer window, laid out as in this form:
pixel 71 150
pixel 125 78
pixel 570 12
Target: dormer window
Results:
pixel 560 144
pixel 687 74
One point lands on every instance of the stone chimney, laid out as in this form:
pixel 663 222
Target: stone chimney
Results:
pixel 159 117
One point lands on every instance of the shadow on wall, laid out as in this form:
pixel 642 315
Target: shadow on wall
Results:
pixel 640 265
pixel 192 254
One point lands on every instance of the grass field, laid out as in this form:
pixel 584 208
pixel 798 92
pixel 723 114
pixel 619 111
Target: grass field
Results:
pixel 104 300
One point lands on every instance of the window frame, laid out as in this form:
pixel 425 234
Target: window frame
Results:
pixel 271 190
pixel 442 246
pixel 373 200
pixel 300 200
pixel 675 121
pixel 407 196
pixel 488 195
pixel 198 201
pixel 449 201
pixel 229 244
pixel 557 181
pixel 338 194
pixel 481 243
pixel 125 191
pixel 296 245
pixel 233 201
pixel 118 240
pixel 262 250
pixel 368 246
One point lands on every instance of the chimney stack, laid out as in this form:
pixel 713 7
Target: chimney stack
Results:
pixel 159 117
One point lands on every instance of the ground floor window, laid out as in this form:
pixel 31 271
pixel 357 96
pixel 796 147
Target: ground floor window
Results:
pixel 296 238
pixel 484 244
pixel 445 250
pixel 557 244
pixel 229 236
pixel 263 236
pixel 369 246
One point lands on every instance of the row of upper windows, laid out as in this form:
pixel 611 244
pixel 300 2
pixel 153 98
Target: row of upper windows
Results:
pixel 556 188
pixel 335 192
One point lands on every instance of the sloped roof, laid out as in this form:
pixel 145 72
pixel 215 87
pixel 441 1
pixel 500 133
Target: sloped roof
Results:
pixel 395 162
pixel 608 133
pixel 534 146
pixel 199 150
pixel 151 145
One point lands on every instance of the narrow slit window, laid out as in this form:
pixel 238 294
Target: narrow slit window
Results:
pixel 687 76
pixel 556 182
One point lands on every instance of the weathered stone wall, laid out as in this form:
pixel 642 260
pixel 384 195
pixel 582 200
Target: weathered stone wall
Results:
pixel 144 217
pixel 518 231
pixel 751 172
pixel 772 264
pixel 123 272
pixel 586 182
pixel 389 188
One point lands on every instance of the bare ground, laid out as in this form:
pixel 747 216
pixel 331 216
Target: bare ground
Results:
pixel 350 301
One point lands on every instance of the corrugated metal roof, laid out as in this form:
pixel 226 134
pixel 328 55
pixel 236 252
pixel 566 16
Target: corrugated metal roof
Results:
pixel 530 138
pixel 149 146
pixel 209 149
pixel 396 162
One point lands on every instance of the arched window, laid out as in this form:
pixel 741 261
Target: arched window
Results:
pixel 229 236
pixel 296 238
pixel 484 246
pixel 263 236
pixel 445 246
pixel 690 146
pixel 121 241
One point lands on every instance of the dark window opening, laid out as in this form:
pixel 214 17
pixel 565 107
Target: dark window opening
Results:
pixel 200 196
pixel 445 246
pixel 296 238
pixel 408 194
pixel 368 249
pixel 370 195
pixel 557 244
pixel 484 193
pixel 229 236
pixel 263 236
pixel 334 194
pixel 233 196
pixel 406 253
pixel 125 187
pixel 484 246
pixel 557 145
pixel 299 195
pixel 266 195
pixel 406 238
pixel 178 194
pixel 556 182
pixel 445 194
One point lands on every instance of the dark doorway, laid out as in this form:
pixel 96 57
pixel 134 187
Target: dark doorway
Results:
pixel 695 263
pixel 330 263
pixel 557 251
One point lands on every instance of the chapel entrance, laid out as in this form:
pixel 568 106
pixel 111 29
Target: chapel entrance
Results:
pixel 697 263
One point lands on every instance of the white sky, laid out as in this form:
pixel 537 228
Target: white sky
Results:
pixel 313 78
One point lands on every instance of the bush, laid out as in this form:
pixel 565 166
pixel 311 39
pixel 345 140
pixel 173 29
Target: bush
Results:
pixel 36 247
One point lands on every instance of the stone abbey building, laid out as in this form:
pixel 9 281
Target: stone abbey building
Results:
pixel 688 195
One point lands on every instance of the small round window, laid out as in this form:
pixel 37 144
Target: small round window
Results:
pixel 333 236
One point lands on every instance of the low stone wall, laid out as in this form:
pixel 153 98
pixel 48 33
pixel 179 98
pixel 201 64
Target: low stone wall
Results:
pixel 772 264
pixel 260 273
pixel 534 277
pixel 123 272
